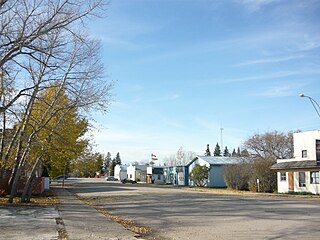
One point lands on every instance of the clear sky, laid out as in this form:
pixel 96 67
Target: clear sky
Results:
pixel 186 68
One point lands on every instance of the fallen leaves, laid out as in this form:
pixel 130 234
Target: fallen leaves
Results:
pixel 127 223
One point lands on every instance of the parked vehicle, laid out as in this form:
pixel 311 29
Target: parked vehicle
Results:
pixel 111 178
pixel 128 181
pixel 61 177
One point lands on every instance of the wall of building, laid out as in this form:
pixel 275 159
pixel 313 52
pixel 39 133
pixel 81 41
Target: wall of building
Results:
pixel 140 176
pixel 283 186
pixel 216 178
pixel 131 172
pixel 309 187
pixel 120 172
pixel 158 178
pixel 306 141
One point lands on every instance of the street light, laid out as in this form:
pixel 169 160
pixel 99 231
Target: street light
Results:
pixel 313 102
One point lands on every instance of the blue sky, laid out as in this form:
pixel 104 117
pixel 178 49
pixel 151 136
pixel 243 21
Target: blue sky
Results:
pixel 184 69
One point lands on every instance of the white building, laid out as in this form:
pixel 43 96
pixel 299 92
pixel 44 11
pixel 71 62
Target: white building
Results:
pixel 137 173
pixel 301 173
pixel 120 172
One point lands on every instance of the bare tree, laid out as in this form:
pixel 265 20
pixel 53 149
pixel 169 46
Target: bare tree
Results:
pixel 260 152
pixel 43 42
pixel 274 145
pixel 181 158
pixel 26 26
pixel 264 150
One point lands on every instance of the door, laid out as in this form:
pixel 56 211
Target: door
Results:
pixel 291 185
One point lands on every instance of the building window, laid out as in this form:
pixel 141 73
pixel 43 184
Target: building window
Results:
pixel 318 151
pixel 302 179
pixel 283 176
pixel 159 177
pixel 314 177
pixel 304 154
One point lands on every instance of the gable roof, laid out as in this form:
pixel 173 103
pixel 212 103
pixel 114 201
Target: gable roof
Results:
pixel 212 160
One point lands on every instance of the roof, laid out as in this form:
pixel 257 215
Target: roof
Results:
pixel 302 164
pixel 141 167
pixel 212 160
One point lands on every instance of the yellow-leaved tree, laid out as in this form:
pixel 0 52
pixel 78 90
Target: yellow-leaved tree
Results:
pixel 59 135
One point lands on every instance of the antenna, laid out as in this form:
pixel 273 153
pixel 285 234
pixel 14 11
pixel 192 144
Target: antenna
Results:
pixel 221 129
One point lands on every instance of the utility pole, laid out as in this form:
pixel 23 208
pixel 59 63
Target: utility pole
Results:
pixel 221 129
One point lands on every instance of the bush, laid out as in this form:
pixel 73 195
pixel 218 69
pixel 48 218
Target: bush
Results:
pixel 237 175
pixel 267 177
pixel 199 175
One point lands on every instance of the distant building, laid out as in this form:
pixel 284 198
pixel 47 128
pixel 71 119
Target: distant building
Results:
pixel 176 175
pixel 155 174
pixel 137 173
pixel 301 173
pixel 215 165
pixel 120 172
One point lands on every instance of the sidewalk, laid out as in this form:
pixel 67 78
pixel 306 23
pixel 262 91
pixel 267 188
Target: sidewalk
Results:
pixel 82 222
pixel 70 220
pixel 28 222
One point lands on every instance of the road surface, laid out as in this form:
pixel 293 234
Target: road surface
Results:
pixel 178 213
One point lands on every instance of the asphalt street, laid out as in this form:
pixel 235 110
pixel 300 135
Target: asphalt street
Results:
pixel 177 213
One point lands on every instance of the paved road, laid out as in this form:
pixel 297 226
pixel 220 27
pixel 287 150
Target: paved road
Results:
pixel 175 213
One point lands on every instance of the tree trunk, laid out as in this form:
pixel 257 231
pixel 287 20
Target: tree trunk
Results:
pixel 2 159
pixel 28 187
pixel 15 176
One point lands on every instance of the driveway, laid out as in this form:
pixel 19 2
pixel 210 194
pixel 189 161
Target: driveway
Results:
pixel 176 213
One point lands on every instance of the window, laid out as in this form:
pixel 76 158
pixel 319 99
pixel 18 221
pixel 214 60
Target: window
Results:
pixel 314 177
pixel 318 151
pixel 304 154
pixel 302 179
pixel 159 177
pixel 283 176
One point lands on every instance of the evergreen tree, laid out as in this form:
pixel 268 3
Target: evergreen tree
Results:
pixel 226 152
pixel 234 154
pixel 107 162
pixel 208 153
pixel 118 159
pixel 114 162
pixel 217 151
pixel 111 167
pixel 238 152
